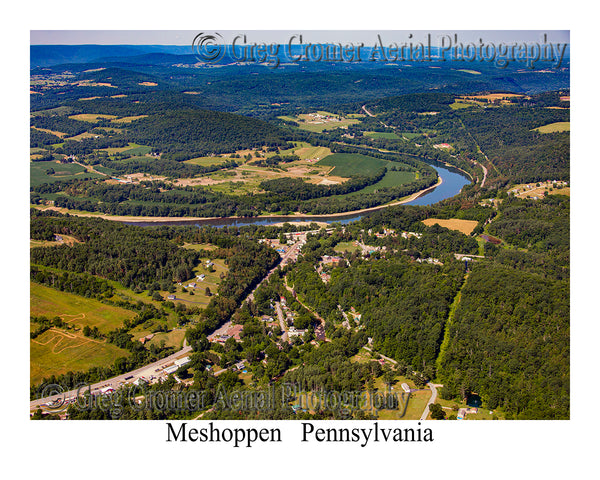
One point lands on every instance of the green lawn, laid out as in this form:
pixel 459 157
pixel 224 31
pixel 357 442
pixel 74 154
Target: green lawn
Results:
pixel 347 247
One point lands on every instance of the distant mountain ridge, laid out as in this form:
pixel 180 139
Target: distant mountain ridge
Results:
pixel 48 55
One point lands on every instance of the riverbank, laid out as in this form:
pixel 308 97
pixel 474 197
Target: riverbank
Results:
pixel 293 218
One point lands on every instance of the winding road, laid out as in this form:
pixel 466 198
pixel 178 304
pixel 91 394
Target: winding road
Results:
pixel 432 399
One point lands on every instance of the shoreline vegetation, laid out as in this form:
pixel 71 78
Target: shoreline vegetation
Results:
pixel 134 219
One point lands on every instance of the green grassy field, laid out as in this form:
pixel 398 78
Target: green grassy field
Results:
pixel 56 352
pixel 199 246
pixel 411 135
pixel 113 150
pixel 457 105
pixel 349 247
pixel 348 164
pixel 91 117
pixel 174 338
pixel 128 119
pixel 207 161
pixel 305 151
pixel 211 280
pixel 103 169
pixel 138 151
pixel 387 135
pixel 554 127
pixel 74 309
pixel 63 171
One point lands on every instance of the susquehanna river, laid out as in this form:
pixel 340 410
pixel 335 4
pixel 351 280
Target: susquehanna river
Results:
pixel 452 183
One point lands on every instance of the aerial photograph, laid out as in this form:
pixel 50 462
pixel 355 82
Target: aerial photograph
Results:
pixel 299 225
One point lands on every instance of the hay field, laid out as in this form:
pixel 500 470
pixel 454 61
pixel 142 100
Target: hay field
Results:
pixel 463 226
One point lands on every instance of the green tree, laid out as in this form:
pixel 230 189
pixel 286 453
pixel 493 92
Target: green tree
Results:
pixel 437 412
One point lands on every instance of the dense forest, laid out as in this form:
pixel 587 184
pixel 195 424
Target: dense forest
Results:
pixel 181 134
pixel 521 154
pixel 509 341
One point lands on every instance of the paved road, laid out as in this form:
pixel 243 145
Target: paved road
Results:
pixel 364 107
pixel 432 399
pixel 485 172
pixel 115 381
pixel 285 336
pixel 294 249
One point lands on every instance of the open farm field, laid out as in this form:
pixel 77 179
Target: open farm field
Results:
pixel 386 135
pixel 113 150
pixel 64 240
pixel 75 309
pixel 493 96
pixel 38 172
pixel 81 136
pixel 138 151
pixel 463 226
pixel 207 161
pixel 458 104
pixel 308 152
pixel 52 132
pixel 348 164
pixel 56 352
pixel 199 246
pixel 321 120
pixel 411 135
pixel 561 191
pixel 128 119
pixel 91 117
pixel 554 127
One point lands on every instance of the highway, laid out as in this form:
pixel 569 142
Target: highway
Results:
pixel 115 382
pixel 152 368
